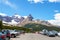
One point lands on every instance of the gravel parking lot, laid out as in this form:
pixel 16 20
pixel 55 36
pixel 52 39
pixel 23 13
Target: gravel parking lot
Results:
pixel 34 36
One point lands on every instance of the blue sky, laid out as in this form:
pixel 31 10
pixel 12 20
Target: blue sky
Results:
pixel 40 9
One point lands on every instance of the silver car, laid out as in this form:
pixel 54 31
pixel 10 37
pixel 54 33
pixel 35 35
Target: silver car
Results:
pixel 56 33
pixel 51 34
pixel 44 32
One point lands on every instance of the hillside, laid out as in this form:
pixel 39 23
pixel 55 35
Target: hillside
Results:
pixel 30 27
pixel 39 27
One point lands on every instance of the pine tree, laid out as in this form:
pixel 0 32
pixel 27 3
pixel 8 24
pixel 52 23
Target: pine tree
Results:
pixel 1 25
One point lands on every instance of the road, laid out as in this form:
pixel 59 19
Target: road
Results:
pixel 33 36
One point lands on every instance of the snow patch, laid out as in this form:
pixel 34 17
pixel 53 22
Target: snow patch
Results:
pixel 17 16
pixel 25 16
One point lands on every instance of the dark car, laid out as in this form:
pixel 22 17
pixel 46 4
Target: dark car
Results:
pixel 2 36
pixel 8 35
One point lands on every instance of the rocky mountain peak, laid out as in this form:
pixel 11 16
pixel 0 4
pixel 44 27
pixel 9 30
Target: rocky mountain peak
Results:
pixel 16 16
pixel 30 17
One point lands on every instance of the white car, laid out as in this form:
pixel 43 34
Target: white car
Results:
pixel 44 32
pixel 13 33
pixel 59 34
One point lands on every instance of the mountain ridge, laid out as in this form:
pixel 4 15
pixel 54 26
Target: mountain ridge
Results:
pixel 17 20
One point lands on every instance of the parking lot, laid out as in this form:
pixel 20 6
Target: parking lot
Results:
pixel 34 36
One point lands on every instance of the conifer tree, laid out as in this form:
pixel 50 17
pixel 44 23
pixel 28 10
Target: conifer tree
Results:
pixel 1 25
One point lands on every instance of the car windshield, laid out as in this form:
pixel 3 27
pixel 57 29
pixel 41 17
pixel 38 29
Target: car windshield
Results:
pixel 0 33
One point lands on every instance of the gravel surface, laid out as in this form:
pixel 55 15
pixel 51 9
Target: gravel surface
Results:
pixel 33 36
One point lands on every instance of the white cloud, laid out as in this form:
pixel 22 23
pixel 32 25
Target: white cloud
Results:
pixel 56 20
pixel 36 1
pixel 7 2
pixel 54 0
pixel 3 14
pixel 57 16
pixel 42 1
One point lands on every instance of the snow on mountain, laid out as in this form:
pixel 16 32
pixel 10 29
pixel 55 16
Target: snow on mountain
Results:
pixel 16 16
pixel 17 19
pixel 25 16
pixel 13 22
pixel 4 22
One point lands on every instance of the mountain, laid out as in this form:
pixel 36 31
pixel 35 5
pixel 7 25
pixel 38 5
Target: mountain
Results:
pixel 30 19
pixel 15 19
pixel 5 18
pixel 22 20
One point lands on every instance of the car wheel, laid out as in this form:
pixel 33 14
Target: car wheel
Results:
pixel 51 36
pixel 13 36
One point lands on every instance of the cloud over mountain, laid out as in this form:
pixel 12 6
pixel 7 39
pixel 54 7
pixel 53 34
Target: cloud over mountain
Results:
pixel 56 20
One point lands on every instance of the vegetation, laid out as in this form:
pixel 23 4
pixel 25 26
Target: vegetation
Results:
pixel 32 27
pixel 1 25
pixel 13 27
pixel 39 27
pixel 17 28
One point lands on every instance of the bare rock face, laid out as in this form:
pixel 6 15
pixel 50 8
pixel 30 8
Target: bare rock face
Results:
pixel 29 19
pixel 26 20
pixel 21 21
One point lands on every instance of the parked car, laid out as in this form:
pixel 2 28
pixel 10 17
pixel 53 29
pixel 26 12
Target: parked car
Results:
pixel 2 36
pixel 51 34
pixel 59 34
pixel 44 32
pixel 18 32
pixel 7 33
pixel 13 33
pixel 55 32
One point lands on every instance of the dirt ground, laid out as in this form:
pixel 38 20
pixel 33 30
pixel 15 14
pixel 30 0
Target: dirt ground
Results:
pixel 34 36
